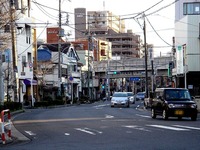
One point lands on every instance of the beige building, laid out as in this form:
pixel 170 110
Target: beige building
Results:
pixel 109 27
pixel 105 22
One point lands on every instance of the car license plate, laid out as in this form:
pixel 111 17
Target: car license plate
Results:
pixel 179 112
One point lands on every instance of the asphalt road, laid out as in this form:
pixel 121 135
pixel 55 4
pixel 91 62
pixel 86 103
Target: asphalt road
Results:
pixel 97 126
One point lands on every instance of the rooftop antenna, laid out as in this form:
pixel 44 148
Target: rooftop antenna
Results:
pixel 104 5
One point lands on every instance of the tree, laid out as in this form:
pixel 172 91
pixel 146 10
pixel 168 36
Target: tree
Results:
pixel 5 25
pixel 7 20
pixel 43 68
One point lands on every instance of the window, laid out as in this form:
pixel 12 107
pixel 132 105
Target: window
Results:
pixel 29 57
pixel 71 54
pixel 177 95
pixel 7 28
pixel 28 34
pixel 191 8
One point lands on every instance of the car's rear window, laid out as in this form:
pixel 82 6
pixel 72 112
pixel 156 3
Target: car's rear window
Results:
pixel 141 94
pixel 130 94
pixel 177 94
pixel 119 95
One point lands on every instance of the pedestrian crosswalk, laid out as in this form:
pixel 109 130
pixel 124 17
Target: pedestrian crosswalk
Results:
pixel 169 127
pixel 151 127
pixel 144 128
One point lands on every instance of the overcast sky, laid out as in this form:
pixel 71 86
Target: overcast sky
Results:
pixel 159 22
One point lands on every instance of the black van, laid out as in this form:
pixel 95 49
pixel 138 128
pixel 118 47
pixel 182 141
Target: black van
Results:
pixel 173 102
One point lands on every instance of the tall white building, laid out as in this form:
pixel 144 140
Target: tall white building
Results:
pixel 187 44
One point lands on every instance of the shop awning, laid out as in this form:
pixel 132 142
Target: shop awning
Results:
pixel 28 82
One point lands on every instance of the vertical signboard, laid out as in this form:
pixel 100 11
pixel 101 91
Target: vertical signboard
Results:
pixel 151 53
pixel 179 57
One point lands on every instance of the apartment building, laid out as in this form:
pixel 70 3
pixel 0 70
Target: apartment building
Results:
pixel 107 26
pixel 187 45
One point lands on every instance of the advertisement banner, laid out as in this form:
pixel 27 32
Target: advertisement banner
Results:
pixel 180 68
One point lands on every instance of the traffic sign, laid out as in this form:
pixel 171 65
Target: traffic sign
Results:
pixel 134 79
pixel 71 78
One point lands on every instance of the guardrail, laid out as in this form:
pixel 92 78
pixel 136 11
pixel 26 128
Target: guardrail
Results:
pixel 4 124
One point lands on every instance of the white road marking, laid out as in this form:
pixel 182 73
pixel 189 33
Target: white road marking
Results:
pixel 168 127
pixel 143 116
pixel 188 127
pixel 103 105
pixel 86 131
pixel 137 128
pixel 67 134
pixel 94 130
pixel 109 116
pixel 30 133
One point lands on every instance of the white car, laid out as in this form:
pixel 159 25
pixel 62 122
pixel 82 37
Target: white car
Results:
pixel 120 99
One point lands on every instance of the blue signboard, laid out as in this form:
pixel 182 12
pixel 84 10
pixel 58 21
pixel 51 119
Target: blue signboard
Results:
pixel 134 79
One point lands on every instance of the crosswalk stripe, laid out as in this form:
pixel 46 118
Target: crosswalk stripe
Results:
pixel 168 127
pixel 137 128
pixel 188 127
pixel 143 116
pixel 86 131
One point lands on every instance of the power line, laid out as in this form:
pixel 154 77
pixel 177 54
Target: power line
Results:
pixel 157 32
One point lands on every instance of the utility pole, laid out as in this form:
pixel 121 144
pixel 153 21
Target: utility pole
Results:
pixel 173 79
pixel 88 75
pixel 13 37
pixel 108 75
pixel 1 82
pixel 145 48
pixel 8 79
pixel 59 51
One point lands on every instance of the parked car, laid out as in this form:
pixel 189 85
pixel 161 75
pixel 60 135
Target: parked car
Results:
pixel 120 99
pixel 140 96
pixel 131 97
pixel 173 102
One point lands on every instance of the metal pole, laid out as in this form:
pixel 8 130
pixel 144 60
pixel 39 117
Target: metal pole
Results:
pixel 13 37
pixel 1 82
pixel 152 76
pixel 146 71
pixel 89 39
pixel 72 96
pixel 185 76
pixel 59 52
pixel 108 77
pixel 8 79
pixel 32 98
